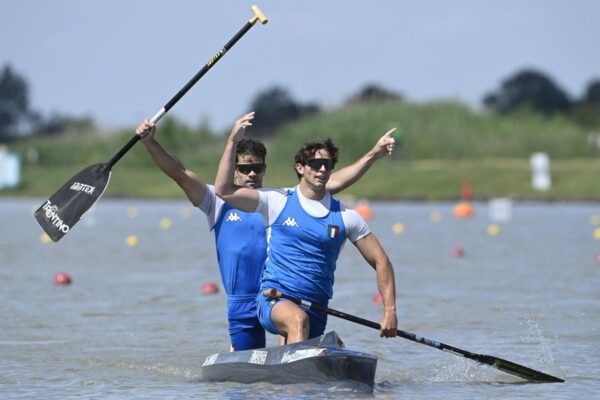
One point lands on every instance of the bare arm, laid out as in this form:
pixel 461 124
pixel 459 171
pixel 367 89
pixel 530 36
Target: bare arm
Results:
pixel 187 180
pixel 347 176
pixel 373 253
pixel 242 198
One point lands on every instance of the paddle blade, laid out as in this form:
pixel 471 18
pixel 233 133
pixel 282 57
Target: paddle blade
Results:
pixel 60 212
pixel 517 369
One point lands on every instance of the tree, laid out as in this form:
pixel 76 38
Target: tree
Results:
pixel 592 94
pixel 274 107
pixel 587 110
pixel 14 102
pixel 528 88
pixel 373 92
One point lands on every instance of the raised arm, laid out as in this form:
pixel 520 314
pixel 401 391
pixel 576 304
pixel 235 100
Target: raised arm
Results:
pixel 187 180
pixel 237 196
pixel 373 253
pixel 347 176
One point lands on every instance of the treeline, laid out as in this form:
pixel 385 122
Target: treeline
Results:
pixel 525 91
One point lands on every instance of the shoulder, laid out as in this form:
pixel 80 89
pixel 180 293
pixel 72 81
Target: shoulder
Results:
pixel 356 226
pixel 211 205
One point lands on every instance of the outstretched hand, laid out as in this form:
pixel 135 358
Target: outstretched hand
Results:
pixel 385 145
pixel 239 127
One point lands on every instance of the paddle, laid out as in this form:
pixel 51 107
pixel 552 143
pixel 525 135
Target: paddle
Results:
pixel 495 362
pixel 64 208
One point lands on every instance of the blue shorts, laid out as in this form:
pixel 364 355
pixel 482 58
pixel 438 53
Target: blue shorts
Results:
pixel 245 330
pixel 317 320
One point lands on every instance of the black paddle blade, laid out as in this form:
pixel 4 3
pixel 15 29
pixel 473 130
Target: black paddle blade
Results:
pixel 516 369
pixel 60 212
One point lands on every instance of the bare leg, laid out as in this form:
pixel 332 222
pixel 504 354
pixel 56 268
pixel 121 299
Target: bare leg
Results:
pixel 291 321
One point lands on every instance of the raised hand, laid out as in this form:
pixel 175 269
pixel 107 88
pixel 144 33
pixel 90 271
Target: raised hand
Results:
pixel 385 145
pixel 239 127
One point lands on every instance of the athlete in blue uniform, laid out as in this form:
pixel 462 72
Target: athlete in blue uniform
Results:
pixel 240 237
pixel 307 228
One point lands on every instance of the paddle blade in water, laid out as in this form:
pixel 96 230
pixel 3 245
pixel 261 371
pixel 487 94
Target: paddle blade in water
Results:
pixel 60 212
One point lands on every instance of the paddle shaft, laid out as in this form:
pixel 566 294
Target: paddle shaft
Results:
pixel 499 363
pixel 258 16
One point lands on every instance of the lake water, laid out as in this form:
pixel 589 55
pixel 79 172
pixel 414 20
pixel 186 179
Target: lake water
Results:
pixel 135 325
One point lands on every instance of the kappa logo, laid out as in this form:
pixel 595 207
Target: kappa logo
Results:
pixel 291 222
pixel 233 217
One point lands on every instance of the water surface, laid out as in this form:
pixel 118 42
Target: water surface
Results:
pixel 134 324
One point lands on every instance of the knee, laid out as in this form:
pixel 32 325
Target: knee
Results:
pixel 301 321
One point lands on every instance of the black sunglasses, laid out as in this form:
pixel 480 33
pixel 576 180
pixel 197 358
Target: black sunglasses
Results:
pixel 317 163
pixel 247 168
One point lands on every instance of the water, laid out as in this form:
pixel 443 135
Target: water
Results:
pixel 134 324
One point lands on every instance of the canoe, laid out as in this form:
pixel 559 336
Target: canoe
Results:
pixel 322 360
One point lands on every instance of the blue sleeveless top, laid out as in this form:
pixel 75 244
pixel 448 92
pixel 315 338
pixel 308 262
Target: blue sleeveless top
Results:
pixel 303 251
pixel 241 250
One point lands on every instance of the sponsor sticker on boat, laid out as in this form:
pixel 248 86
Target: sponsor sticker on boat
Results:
pixel 258 357
pixel 291 356
pixel 210 360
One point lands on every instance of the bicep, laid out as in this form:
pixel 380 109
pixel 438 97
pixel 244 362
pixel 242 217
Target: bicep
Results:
pixel 370 249
pixel 193 187
pixel 243 199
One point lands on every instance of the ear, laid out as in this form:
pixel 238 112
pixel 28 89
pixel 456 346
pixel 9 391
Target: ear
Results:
pixel 299 168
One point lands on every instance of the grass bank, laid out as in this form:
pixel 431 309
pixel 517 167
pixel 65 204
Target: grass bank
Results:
pixel 573 179
pixel 442 144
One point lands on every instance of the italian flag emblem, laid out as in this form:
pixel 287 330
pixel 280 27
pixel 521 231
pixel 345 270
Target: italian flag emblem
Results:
pixel 332 231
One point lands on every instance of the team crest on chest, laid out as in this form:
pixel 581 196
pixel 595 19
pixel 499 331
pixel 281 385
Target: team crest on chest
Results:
pixel 333 231
pixel 233 217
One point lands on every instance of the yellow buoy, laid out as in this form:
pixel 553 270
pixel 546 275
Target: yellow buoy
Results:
pixel 45 238
pixel 166 223
pixel 597 233
pixel 493 230
pixel 398 228
pixel 435 216
pixel 132 241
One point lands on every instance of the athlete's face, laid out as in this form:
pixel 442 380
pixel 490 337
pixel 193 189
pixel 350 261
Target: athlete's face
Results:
pixel 317 171
pixel 249 171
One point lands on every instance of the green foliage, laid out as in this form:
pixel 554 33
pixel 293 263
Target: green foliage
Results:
pixel 529 88
pixel 14 102
pixel 440 130
pixel 275 107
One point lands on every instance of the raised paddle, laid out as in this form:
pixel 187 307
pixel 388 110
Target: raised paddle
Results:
pixel 495 362
pixel 64 208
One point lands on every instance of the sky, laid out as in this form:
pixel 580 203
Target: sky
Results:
pixel 121 61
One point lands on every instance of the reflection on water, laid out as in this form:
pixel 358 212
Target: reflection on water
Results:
pixel 134 324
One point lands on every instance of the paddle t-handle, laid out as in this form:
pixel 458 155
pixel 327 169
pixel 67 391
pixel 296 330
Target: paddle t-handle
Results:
pixel 258 16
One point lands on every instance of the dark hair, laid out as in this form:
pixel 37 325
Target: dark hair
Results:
pixel 309 149
pixel 251 147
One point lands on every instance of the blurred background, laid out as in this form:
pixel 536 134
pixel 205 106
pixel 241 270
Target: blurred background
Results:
pixel 474 89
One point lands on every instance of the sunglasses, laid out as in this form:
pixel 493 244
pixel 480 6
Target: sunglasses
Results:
pixel 247 168
pixel 317 163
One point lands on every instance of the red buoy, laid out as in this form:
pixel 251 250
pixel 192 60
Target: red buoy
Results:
pixel 377 298
pixel 458 251
pixel 62 278
pixel 209 288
